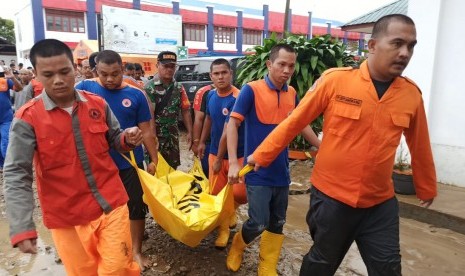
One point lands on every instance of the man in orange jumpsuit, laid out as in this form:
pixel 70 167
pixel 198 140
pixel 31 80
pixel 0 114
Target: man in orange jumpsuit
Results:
pixel 67 134
pixel 366 110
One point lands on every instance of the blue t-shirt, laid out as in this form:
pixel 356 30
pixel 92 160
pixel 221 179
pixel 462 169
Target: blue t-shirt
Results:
pixel 277 173
pixel 130 107
pixel 6 112
pixel 219 108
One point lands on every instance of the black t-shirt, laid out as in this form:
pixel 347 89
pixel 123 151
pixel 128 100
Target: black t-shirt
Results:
pixel 381 87
pixel 203 108
pixel 203 103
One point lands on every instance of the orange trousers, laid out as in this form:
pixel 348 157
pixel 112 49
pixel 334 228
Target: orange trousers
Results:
pixel 220 180
pixel 100 247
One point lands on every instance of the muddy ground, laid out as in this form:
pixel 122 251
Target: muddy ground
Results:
pixel 426 250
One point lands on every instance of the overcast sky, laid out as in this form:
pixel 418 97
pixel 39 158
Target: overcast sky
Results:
pixel 338 10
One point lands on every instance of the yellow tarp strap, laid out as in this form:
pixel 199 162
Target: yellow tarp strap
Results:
pixel 245 170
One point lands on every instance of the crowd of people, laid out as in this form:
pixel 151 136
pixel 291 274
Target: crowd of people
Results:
pixel 73 123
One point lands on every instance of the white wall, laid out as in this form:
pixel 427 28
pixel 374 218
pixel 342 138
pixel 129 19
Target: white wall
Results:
pixel 224 46
pixel 196 45
pixel 438 69
pixel 65 36
pixel 24 31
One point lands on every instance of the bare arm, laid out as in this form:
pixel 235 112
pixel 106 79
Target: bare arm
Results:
pixel 17 85
pixel 199 116
pixel 151 144
pixel 187 120
pixel 218 163
pixel 310 136
pixel 222 147
pixel 232 140
pixel 207 125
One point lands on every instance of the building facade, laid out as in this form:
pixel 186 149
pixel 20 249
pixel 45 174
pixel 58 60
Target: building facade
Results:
pixel 206 29
pixel 437 68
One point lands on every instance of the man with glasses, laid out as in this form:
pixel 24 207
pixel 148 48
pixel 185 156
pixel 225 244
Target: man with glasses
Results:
pixel 168 98
pixel 86 70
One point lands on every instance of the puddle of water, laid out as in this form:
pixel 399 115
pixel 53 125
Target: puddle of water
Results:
pixel 13 262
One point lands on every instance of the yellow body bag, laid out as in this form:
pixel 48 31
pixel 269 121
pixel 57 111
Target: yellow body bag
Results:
pixel 180 202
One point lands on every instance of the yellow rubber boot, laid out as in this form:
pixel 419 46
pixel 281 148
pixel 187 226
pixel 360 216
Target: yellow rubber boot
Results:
pixel 223 235
pixel 233 219
pixel 234 259
pixel 270 248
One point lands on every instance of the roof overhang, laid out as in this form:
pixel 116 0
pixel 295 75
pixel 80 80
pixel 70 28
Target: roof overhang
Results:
pixel 360 28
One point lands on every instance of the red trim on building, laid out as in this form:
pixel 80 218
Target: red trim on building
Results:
pixel 299 24
pixel 225 20
pixel 113 3
pixel 253 23
pixel 194 17
pixel 195 51
pixel 276 22
pixel 69 5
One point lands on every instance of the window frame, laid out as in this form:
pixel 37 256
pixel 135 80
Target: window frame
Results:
pixel 75 22
pixel 194 32
pixel 225 35
pixel 252 37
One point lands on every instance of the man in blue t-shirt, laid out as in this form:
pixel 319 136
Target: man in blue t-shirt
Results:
pixel 7 82
pixel 220 102
pixel 261 106
pixel 131 108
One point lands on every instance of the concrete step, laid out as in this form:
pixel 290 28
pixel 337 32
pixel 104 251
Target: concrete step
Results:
pixel 447 210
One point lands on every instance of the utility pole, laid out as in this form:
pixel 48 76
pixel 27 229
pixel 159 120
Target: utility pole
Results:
pixel 286 18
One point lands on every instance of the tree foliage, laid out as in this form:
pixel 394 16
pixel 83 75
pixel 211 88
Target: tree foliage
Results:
pixel 314 56
pixel 7 30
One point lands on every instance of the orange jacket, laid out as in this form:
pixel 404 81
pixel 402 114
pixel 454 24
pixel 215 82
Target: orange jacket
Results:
pixel 361 135
pixel 76 178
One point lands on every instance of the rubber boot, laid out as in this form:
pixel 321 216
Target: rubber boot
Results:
pixel 223 235
pixel 234 259
pixel 233 220
pixel 270 248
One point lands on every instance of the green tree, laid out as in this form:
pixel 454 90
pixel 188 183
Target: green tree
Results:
pixel 314 56
pixel 7 30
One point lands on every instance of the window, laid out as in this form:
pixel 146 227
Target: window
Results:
pixel 225 35
pixel 65 21
pixel 193 32
pixel 252 37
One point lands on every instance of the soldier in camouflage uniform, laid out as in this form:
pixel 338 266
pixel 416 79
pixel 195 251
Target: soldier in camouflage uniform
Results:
pixel 168 98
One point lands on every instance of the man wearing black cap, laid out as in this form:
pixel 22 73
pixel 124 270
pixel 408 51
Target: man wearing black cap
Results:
pixel 169 97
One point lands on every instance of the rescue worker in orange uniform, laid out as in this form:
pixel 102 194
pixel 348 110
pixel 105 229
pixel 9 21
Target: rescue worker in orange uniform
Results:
pixel 67 135
pixel 366 111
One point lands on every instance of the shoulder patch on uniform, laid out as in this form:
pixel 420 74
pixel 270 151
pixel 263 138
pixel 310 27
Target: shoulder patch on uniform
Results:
pixel 412 82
